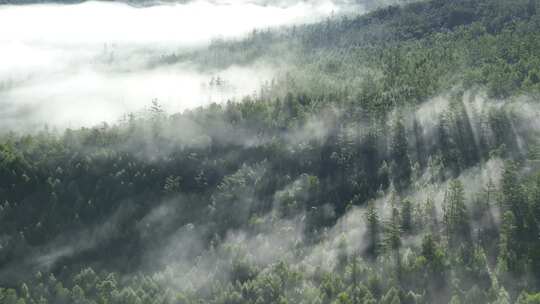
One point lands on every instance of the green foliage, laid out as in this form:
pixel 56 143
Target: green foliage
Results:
pixel 456 214
pixel 107 212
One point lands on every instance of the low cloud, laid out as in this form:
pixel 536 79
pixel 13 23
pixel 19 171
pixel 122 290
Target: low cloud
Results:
pixel 83 64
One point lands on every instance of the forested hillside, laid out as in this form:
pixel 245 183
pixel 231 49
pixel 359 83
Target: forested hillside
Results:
pixel 394 159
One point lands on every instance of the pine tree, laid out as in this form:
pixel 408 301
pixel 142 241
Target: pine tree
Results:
pixel 502 297
pixel 393 238
pixel 513 195
pixel 406 216
pixel 355 281
pixel 533 223
pixel 455 214
pixel 514 201
pixel 391 297
pixel 447 146
pixel 342 256
pixel 373 231
pixel 401 163
pixel 508 259
pixel 419 143
pixel 464 133
pixel 430 216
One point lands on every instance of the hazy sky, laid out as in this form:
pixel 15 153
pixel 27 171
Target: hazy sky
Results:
pixel 180 24
pixel 74 65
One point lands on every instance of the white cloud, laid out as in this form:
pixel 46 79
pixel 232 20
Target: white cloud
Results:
pixel 79 65
pixel 181 24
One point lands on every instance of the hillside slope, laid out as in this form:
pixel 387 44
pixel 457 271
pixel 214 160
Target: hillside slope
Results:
pixel 394 159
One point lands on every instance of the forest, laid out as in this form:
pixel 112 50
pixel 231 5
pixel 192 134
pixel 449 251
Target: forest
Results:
pixel 395 158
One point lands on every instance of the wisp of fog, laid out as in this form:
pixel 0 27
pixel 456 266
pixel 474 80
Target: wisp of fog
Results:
pixel 83 64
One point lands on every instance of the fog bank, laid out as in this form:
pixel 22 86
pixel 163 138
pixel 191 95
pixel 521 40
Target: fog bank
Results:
pixel 82 64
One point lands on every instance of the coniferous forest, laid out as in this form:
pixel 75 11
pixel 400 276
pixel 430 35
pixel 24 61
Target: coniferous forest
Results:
pixel 394 158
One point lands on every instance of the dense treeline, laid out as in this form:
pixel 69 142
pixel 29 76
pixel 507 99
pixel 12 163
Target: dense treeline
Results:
pixel 394 162
pixel 404 53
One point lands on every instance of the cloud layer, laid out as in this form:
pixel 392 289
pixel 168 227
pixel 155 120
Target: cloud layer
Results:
pixel 79 65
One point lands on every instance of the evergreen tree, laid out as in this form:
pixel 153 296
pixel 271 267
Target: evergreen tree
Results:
pixel 406 216
pixel 401 163
pixel 430 219
pixel 513 195
pixel 447 146
pixel 393 238
pixel 508 257
pixel 373 231
pixel 420 145
pixel 456 218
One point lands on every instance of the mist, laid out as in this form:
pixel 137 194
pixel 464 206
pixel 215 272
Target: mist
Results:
pixel 83 64
pixel 269 151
